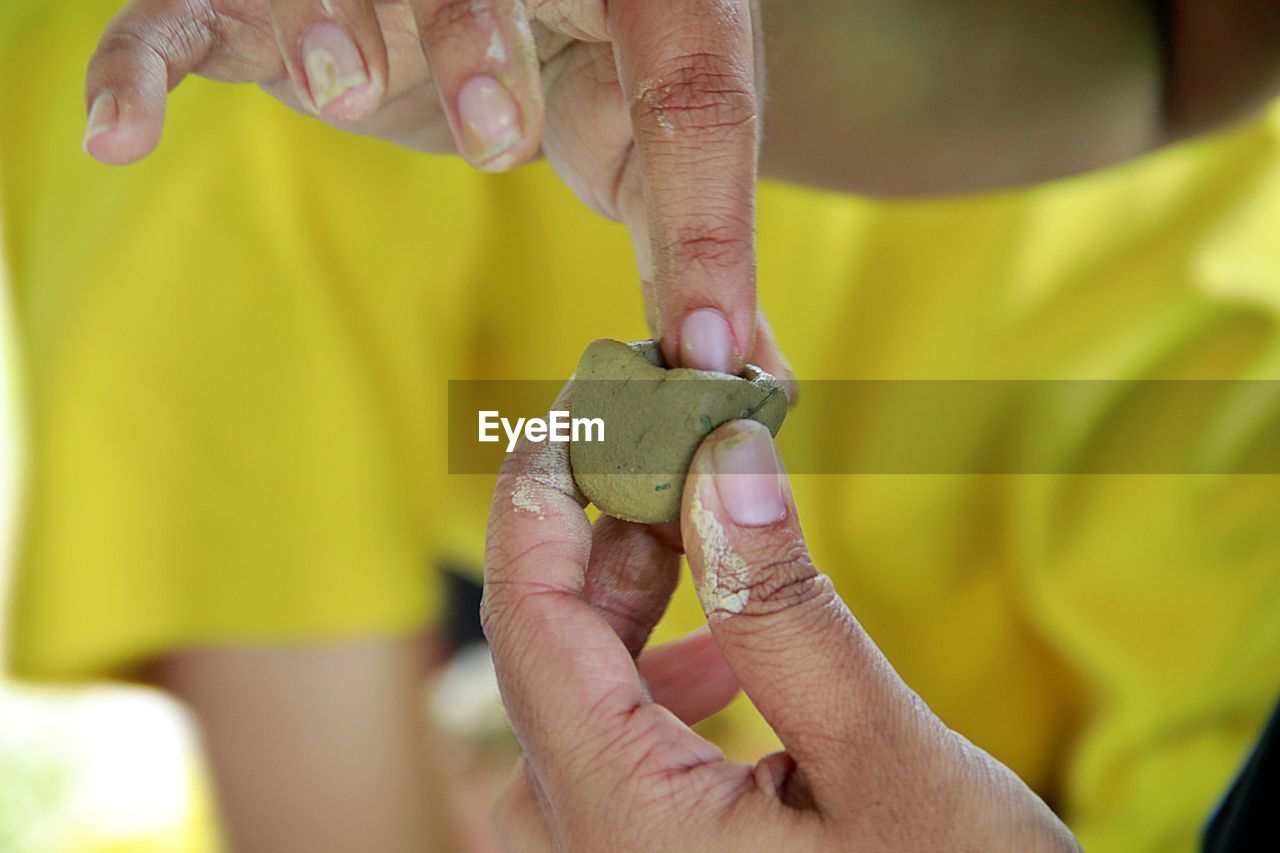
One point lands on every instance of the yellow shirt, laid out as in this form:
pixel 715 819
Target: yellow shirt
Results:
pixel 234 356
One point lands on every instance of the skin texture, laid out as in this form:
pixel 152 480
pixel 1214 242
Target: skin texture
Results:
pixel 608 765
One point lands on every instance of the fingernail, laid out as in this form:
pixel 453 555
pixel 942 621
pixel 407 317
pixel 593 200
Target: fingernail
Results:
pixel 334 69
pixel 489 118
pixel 748 477
pixel 104 114
pixel 706 342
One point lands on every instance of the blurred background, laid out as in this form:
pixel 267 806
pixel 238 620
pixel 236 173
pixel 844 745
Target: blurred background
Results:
pixel 233 357
pixel 98 769
pixel 116 768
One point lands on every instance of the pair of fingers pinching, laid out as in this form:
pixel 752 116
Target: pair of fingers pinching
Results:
pixel 609 759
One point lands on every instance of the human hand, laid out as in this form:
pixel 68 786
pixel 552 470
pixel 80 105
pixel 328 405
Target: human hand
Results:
pixel 651 115
pixel 610 762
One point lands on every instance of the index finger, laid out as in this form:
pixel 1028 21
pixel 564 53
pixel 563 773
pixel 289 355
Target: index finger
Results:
pixel 688 71
pixel 568 680
pixel 145 51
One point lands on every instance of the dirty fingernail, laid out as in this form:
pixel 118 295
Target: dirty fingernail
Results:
pixel 335 70
pixel 489 118
pixel 748 477
pixel 104 115
pixel 706 342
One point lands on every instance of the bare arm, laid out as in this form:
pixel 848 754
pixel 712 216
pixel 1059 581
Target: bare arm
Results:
pixel 920 97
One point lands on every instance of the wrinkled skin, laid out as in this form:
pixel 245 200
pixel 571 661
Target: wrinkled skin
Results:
pixel 610 760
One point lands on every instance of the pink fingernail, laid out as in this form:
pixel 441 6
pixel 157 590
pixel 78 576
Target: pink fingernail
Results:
pixel 336 74
pixel 104 115
pixel 489 118
pixel 748 477
pixel 706 342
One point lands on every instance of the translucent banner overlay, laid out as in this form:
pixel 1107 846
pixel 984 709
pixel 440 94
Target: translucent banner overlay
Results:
pixel 941 426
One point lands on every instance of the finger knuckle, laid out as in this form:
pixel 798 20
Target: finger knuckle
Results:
pixel 696 92
pixel 634 613
pixel 165 39
pixel 787 582
pixel 510 607
pixel 643 757
pixel 129 41
pixel 725 244
pixel 450 19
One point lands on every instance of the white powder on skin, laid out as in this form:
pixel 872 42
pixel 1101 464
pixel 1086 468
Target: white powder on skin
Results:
pixel 650 93
pixel 496 52
pixel 326 83
pixel 523 499
pixel 724 588
pixel 548 470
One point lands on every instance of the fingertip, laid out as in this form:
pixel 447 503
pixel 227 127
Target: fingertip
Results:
pixel 748 475
pixel 341 84
pixel 495 131
pixel 777 775
pixel 354 104
pixel 102 120
pixel 768 356
pixel 115 134
pixel 484 62
pixel 739 519
pixel 706 342
pixel 772 771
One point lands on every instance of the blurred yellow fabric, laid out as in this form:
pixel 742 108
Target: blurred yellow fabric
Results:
pixel 235 358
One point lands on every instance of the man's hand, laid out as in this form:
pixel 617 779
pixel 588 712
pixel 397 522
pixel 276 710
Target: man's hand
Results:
pixel 610 761
pixel 648 111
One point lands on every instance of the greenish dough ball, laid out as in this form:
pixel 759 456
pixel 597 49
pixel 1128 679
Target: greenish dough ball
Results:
pixel 655 418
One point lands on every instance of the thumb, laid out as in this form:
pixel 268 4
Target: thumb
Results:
pixel 802 658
